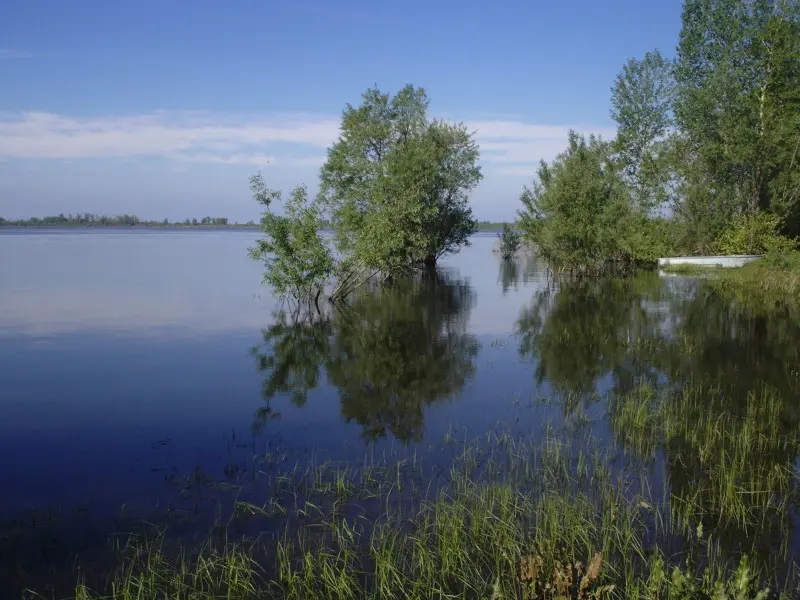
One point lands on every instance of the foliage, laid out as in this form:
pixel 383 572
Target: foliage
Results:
pixel 578 213
pixel 297 259
pixel 509 242
pixel 755 233
pixel 737 104
pixel 714 134
pixel 641 103
pixel 396 183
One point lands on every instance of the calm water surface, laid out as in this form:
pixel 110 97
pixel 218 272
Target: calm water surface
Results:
pixel 130 358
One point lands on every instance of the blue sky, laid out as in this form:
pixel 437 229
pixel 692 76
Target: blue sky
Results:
pixel 164 108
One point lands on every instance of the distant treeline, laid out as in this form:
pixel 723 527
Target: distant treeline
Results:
pixel 91 220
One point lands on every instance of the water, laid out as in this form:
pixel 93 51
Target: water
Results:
pixel 130 358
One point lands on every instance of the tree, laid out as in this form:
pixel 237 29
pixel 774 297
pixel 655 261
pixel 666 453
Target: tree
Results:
pixel 297 260
pixel 509 242
pixel 578 213
pixel 396 183
pixel 641 101
pixel 737 104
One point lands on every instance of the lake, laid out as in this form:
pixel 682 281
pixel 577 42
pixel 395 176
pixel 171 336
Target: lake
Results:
pixel 144 371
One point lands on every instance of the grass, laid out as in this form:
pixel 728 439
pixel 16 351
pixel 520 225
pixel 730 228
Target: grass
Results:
pixel 770 276
pixel 779 275
pixel 506 517
pixel 742 480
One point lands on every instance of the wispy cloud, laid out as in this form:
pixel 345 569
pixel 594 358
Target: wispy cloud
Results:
pixel 514 147
pixel 183 136
pixel 12 54
pixel 507 146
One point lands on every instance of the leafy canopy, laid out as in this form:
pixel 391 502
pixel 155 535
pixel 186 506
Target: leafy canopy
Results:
pixel 578 213
pixel 641 102
pixel 738 103
pixel 396 184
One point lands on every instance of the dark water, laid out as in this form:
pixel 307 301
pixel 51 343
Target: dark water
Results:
pixel 130 359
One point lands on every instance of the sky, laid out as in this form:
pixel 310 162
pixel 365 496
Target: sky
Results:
pixel 164 108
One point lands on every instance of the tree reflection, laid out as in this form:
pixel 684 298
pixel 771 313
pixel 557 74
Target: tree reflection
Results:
pixel 578 332
pixel 391 352
pixel 509 276
pixel 722 374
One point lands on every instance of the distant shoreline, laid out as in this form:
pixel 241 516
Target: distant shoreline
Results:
pixel 5 226
pixel 118 226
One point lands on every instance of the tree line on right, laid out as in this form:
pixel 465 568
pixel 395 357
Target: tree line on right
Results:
pixel 707 154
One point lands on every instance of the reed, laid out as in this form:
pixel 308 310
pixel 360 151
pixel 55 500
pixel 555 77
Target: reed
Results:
pixel 508 518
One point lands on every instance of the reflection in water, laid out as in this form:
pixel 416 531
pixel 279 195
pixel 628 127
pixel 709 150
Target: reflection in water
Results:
pixel 509 274
pixel 706 382
pixel 390 352
pixel 516 270
pixel 582 331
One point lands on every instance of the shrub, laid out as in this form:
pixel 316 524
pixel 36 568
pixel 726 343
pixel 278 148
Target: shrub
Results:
pixel 298 261
pixel 755 233
pixel 579 214
pixel 509 242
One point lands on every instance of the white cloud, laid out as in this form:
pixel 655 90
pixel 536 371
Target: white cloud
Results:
pixel 516 147
pixel 509 146
pixel 184 136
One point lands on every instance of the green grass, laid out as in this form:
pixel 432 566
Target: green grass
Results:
pixel 506 518
pixel 769 276
pixel 743 479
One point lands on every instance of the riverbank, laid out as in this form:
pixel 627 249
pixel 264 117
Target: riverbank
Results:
pixel 770 275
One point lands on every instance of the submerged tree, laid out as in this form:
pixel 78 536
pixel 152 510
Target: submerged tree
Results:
pixel 579 215
pixel 396 183
pixel 297 260
pixel 509 242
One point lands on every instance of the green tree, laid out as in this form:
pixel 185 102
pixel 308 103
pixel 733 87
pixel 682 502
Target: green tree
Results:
pixel 737 105
pixel 578 213
pixel 509 242
pixel 641 104
pixel 396 183
pixel 298 262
